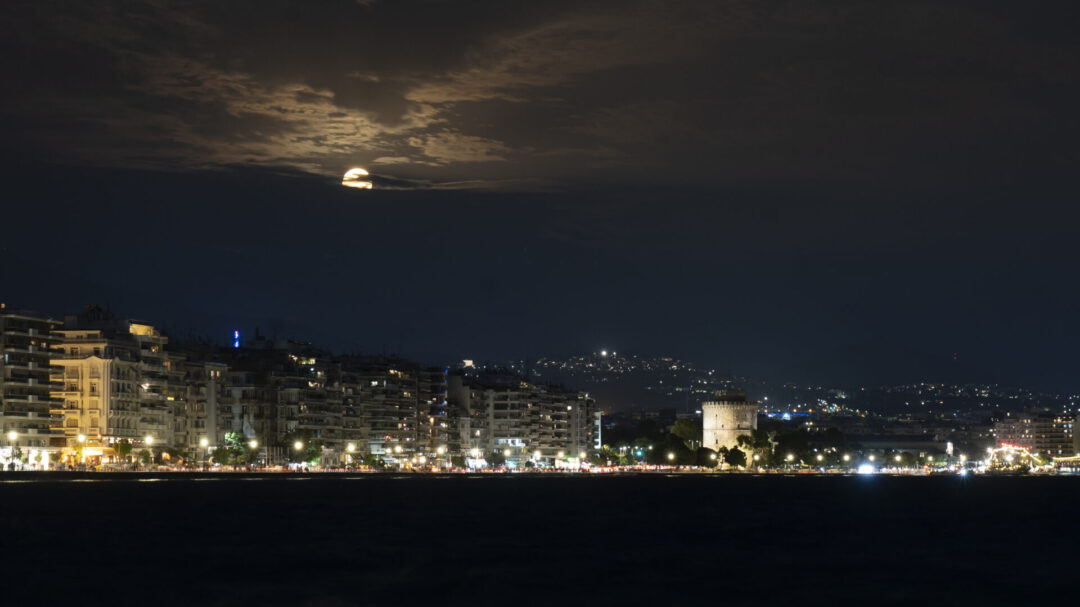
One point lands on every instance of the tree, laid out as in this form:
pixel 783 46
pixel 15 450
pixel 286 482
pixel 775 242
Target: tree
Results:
pixel 735 457
pixel 457 461
pixel 760 443
pixel 604 457
pixel 497 458
pixel 707 458
pixel 233 451
pixel 221 456
pixel 122 448
pixel 689 430
pixel 234 441
pixel 672 452
pixel 310 448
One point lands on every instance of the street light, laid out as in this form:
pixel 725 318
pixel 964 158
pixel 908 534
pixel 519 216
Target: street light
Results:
pixel 150 446
pixel 561 454
pixel 81 438
pixel 536 454
pixel 298 445
pixel 11 437
pixel 871 458
pixel 254 444
pixel 670 455
pixel 847 458
pixel 581 455
pixel 204 442
pixel 820 457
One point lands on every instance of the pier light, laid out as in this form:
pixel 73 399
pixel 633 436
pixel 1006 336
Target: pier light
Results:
pixel 298 445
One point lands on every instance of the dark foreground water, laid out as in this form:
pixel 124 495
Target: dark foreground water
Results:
pixel 521 540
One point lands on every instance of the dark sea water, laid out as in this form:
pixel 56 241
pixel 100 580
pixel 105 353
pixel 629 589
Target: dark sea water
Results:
pixel 540 540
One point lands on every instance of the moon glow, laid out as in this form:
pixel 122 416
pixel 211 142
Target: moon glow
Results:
pixel 356 178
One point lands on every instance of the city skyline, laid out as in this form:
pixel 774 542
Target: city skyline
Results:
pixel 396 302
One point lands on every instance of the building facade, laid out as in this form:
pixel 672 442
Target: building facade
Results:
pixel 503 415
pixel 115 381
pixel 727 418
pixel 26 400
pixel 1044 433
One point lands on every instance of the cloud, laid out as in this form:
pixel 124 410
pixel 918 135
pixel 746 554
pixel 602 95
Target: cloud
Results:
pixel 566 91
pixel 450 147
pixel 393 160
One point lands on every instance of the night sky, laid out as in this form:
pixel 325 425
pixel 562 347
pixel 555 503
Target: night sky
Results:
pixel 828 192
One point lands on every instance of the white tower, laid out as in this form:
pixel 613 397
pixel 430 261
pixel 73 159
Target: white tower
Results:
pixel 727 418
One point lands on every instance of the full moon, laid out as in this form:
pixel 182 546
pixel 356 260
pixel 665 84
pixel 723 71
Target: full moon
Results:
pixel 356 178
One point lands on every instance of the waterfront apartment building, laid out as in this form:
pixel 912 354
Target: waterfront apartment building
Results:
pixel 501 414
pixel 1041 432
pixel 26 400
pixel 114 381
pixel 396 409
